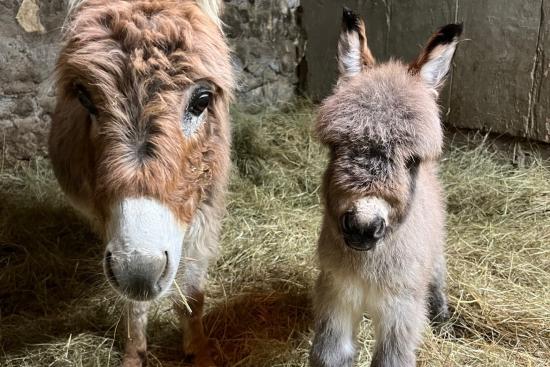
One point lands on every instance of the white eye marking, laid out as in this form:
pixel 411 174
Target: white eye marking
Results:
pixel 196 110
pixel 192 123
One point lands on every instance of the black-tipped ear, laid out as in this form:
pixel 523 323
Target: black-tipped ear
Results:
pixel 353 52
pixel 434 62
pixel 350 20
pixel 448 34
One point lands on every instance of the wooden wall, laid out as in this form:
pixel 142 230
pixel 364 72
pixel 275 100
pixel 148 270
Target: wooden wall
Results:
pixel 501 75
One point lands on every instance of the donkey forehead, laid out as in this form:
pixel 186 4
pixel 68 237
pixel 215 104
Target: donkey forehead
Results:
pixel 129 25
pixel 383 107
pixel 176 42
pixel 366 162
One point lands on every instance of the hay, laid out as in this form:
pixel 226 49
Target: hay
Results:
pixel 56 309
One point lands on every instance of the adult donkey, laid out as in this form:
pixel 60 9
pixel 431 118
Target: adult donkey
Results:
pixel 381 243
pixel 140 144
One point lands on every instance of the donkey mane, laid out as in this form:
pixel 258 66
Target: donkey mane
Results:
pixel 212 8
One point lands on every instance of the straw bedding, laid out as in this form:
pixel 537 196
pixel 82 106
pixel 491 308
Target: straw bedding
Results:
pixel 56 309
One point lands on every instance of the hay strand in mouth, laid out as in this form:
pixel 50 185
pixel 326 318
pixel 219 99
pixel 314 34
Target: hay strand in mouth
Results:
pixel 183 298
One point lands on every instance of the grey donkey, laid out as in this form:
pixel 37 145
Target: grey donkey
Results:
pixel 381 246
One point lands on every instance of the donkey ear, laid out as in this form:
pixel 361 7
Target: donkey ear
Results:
pixel 212 8
pixel 434 62
pixel 353 53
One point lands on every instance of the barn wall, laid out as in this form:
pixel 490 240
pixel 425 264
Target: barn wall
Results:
pixel 264 34
pixel 26 60
pixel 501 79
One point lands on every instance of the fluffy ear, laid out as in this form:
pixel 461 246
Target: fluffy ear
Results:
pixel 434 62
pixel 353 53
pixel 212 8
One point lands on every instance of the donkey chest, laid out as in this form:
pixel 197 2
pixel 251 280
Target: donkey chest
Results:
pixel 390 265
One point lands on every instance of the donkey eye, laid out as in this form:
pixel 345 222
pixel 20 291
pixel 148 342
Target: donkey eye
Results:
pixel 85 100
pixel 412 162
pixel 194 114
pixel 199 102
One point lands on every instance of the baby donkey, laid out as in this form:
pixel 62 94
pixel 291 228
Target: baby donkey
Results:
pixel 382 237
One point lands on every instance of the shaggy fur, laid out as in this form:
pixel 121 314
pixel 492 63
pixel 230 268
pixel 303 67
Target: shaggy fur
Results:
pixel 383 130
pixel 137 63
pixel 375 124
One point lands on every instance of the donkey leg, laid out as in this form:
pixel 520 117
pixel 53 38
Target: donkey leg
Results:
pixel 135 349
pixel 201 245
pixel 399 323
pixel 195 342
pixel 437 297
pixel 338 307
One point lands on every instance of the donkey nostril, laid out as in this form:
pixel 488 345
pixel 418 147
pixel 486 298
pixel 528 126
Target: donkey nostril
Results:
pixel 347 222
pixel 165 269
pixel 379 228
pixel 109 267
pixel 158 284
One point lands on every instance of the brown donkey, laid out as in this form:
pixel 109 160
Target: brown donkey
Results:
pixel 140 144
pixel 381 243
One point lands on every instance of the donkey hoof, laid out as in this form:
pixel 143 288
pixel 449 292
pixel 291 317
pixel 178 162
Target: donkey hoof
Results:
pixel 439 318
pixel 135 361
pixel 197 352
pixel 202 359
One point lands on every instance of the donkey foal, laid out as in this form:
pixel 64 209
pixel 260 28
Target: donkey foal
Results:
pixel 382 238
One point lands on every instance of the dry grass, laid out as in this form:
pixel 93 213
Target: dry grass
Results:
pixel 57 311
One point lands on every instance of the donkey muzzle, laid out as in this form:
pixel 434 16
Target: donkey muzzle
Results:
pixel 139 276
pixel 144 246
pixel 362 236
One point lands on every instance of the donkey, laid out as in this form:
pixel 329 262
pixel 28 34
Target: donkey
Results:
pixel 140 144
pixel 382 237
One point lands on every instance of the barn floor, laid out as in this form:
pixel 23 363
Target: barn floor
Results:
pixel 55 309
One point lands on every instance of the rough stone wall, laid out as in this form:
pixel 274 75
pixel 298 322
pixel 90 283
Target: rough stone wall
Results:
pixel 26 60
pixel 501 75
pixel 265 37
pixel 268 45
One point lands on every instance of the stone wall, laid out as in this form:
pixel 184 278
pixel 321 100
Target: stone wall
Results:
pixel 501 77
pixel 26 60
pixel 268 44
pixel 265 36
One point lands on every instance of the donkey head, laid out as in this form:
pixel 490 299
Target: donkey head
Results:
pixel 140 134
pixel 381 124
